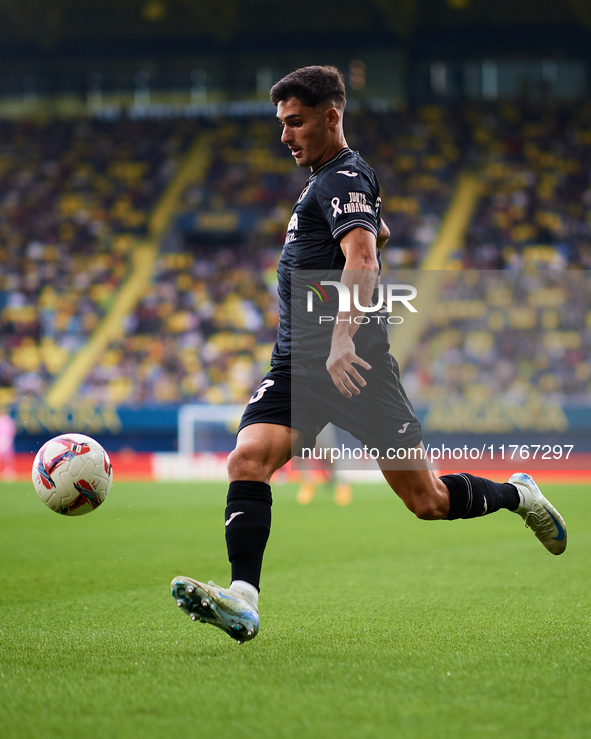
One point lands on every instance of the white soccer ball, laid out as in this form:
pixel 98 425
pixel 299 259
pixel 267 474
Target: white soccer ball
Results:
pixel 72 474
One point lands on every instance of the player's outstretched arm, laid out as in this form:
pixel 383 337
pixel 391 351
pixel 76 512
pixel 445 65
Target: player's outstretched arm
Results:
pixel 361 270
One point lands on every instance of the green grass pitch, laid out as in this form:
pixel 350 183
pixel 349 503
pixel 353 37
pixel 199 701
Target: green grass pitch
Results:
pixel 374 624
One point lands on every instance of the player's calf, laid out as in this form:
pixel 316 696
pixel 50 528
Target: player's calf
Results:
pixel 421 491
pixel 472 497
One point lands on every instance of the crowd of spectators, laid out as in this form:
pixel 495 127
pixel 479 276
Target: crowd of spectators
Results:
pixel 73 197
pixel 535 205
pixel 204 333
pixel 513 336
pixel 509 335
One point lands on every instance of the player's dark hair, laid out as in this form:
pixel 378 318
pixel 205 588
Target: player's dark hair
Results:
pixel 311 85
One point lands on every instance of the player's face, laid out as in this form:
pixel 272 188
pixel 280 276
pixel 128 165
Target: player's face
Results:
pixel 306 131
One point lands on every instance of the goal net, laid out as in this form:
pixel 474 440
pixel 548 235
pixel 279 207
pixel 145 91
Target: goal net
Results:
pixel 204 428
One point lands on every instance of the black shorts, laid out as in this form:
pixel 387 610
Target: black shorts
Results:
pixel 304 397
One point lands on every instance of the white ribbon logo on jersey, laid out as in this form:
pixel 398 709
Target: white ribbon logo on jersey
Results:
pixel 387 296
pixel 336 211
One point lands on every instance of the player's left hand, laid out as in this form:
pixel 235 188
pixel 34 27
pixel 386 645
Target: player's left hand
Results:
pixel 340 366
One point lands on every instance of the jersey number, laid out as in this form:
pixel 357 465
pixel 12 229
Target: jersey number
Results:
pixel 265 384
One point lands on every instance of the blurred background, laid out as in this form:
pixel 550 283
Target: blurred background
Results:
pixel 144 197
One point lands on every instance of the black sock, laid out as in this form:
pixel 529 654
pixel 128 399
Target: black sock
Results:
pixel 248 524
pixel 471 497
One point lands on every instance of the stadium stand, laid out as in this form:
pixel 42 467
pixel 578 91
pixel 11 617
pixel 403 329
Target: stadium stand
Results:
pixel 74 197
pixel 516 339
pixel 535 208
pixel 70 214
pixel 508 335
pixel 202 333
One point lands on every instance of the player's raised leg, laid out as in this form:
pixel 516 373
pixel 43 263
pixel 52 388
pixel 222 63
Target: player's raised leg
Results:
pixel 261 449
pixel 466 496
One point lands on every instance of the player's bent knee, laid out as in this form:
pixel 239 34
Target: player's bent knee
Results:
pixel 244 463
pixel 428 509
pixel 427 513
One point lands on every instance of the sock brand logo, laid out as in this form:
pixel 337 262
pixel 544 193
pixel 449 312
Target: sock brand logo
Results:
pixel 233 516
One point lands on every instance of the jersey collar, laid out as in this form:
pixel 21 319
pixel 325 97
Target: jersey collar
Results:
pixel 341 153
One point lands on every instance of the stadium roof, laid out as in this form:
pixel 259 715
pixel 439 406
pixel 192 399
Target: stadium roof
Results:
pixel 53 26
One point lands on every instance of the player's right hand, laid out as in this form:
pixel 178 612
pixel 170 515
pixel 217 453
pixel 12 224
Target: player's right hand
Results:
pixel 341 366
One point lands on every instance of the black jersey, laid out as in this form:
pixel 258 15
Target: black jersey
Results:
pixel 342 194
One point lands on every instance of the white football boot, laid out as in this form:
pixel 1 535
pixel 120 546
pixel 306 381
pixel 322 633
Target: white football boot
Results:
pixel 230 609
pixel 539 514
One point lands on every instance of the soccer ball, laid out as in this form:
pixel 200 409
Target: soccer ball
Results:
pixel 72 474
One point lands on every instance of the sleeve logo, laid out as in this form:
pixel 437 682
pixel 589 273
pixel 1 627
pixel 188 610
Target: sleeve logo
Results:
pixel 357 204
pixel 347 173
pixel 336 210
